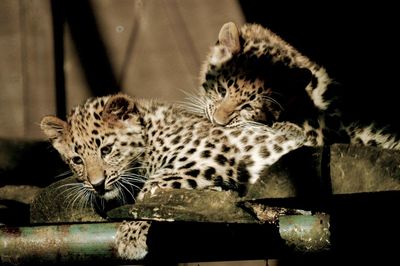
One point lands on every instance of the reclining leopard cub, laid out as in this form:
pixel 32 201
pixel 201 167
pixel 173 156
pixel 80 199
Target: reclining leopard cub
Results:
pixel 108 140
pixel 251 74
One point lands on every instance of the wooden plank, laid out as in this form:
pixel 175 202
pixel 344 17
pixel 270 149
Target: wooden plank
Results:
pixel 203 20
pixel 358 169
pixel 169 53
pixel 154 67
pixel 46 208
pixel 11 78
pixel 38 63
pixel 155 48
pixel 201 206
pixel 26 63
pixel 119 25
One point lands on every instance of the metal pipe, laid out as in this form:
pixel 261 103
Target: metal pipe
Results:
pixel 306 233
pixel 95 242
pixel 58 243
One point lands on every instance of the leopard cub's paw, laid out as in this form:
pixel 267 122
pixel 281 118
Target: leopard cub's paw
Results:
pixel 130 240
pixel 149 189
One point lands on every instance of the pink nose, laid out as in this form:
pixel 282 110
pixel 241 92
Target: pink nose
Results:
pixel 222 116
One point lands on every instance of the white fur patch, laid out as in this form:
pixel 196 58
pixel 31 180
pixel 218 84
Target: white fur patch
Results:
pixel 367 134
pixel 317 93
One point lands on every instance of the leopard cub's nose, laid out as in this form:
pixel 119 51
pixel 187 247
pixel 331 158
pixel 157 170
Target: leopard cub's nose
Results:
pixel 99 186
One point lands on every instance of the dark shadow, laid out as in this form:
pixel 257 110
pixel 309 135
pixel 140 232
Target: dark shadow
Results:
pixel 14 213
pixel 89 44
pixel 33 163
pixel 58 20
pixel 309 172
pixel 365 227
pixel 190 241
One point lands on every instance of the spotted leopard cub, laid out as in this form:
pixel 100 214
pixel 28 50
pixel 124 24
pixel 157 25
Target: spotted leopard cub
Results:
pixel 251 74
pixel 108 140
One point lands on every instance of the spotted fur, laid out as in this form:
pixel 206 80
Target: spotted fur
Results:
pixel 251 74
pixel 131 239
pixel 109 140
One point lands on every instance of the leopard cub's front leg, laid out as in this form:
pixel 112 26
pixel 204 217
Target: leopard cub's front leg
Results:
pixel 131 236
pixel 131 240
pixel 191 179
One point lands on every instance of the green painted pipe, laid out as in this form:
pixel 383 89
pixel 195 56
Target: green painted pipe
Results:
pixel 306 233
pixel 95 242
pixel 58 243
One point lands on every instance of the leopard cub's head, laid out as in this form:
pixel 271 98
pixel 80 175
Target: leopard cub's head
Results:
pixel 101 141
pixel 248 76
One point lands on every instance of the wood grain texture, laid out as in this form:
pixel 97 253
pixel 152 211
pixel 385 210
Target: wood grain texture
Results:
pixel 26 64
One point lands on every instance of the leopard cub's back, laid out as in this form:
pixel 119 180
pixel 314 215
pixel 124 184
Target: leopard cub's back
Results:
pixel 191 153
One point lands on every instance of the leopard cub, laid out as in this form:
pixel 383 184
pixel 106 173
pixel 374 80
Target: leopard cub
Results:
pixel 252 74
pixel 110 142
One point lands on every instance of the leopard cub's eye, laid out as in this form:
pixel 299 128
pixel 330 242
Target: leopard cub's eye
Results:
pixel 247 107
pixel 106 150
pixel 77 160
pixel 221 90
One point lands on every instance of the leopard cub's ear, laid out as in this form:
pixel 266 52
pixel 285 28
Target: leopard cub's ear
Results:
pixel 228 44
pixel 229 37
pixel 53 127
pixel 119 107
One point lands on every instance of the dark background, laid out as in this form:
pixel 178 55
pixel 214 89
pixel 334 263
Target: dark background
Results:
pixel 356 43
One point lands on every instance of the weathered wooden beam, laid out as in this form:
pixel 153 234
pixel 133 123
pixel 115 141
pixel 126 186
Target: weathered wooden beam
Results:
pixel 303 176
pixel 26 166
pixel 297 174
pixel 315 173
pixel 201 206
pixel 55 205
pixel 359 169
